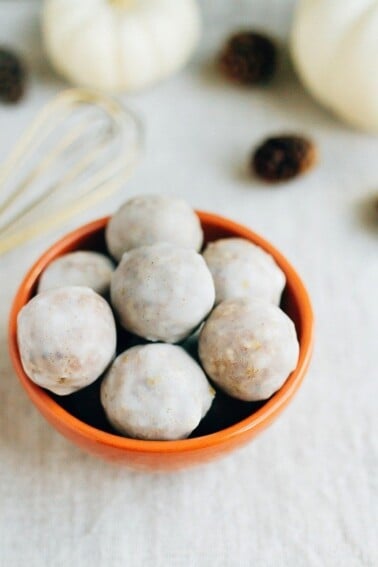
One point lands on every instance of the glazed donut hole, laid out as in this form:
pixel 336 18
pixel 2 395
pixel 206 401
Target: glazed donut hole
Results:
pixel 242 269
pixel 152 219
pixel 66 337
pixel 248 347
pixel 156 391
pixel 162 292
pixel 81 268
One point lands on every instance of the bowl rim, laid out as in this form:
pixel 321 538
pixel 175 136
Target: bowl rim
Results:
pixel 256 421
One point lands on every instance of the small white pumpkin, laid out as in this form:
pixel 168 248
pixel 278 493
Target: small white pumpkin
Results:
pixel 119 45
pixel 334 46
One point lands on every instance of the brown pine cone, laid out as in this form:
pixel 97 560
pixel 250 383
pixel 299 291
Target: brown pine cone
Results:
pixel 12 77
pixel 283 157
pixel 249 58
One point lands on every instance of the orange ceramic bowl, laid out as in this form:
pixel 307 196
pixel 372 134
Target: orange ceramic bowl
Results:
pixel 232 424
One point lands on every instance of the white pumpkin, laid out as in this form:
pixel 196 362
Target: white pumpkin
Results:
pixel 334 46
pixel 119 45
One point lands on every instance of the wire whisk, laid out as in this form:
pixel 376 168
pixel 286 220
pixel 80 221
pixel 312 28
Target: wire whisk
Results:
pixel 80 149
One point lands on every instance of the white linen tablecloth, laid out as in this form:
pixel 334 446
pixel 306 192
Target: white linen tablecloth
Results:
pixel 304 493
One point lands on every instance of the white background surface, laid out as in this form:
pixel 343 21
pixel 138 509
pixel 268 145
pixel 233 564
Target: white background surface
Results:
pixel 305 492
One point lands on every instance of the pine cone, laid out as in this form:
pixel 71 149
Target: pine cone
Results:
pixel 12 77
pixel 283 157
pixel 249 58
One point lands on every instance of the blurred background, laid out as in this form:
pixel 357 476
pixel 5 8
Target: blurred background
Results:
pixel 305 492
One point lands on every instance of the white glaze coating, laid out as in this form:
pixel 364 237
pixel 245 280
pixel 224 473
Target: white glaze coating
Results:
pixel 242 269
pixel 66 337
pixel 149 219
pixel 248 347
pixel 156 391
pixel 81 268
pixel 162 292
